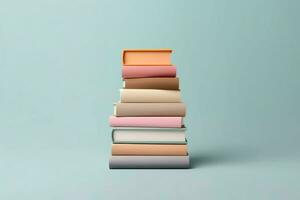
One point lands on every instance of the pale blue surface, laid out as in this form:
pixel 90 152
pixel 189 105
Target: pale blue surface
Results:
pixel 238 63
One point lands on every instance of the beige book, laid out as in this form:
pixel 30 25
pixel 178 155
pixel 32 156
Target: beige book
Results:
pixel 162 83
pixel 149 96
pixel 149 109
pixel 149 149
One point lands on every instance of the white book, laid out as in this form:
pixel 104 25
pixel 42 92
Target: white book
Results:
pixel 149 135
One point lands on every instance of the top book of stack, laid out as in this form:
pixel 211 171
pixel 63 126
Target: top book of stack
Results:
pixel 146 57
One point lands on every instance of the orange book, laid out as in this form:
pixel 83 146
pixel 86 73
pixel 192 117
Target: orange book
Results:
pixel 146 57
pixel 149 149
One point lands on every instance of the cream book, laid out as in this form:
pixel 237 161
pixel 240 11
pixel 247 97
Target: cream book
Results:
pixel 133 135
pixel 149 96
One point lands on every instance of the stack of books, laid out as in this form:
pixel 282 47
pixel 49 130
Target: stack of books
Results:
pixel 148 130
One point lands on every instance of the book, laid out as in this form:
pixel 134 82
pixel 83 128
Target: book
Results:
pixel 132 135
pixel 148 71
pixel 152 83
pixel 147 162
pixel 146 57
pixel 149 149
pixel 160 122
pixel 149 96
pixel 149 109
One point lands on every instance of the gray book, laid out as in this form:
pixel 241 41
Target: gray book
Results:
pixel 150 162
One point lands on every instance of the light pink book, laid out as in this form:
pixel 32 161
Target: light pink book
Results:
pixel 148 71
pixel 159 122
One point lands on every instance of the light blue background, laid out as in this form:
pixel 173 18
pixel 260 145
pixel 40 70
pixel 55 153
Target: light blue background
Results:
pixel 238 63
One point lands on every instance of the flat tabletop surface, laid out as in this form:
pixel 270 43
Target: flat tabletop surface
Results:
pixel 82 173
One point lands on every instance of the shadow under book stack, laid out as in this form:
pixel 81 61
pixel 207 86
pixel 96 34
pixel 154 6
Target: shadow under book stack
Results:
pixel 148 130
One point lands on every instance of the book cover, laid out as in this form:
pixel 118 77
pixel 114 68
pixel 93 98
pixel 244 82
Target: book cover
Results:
pixel 146 57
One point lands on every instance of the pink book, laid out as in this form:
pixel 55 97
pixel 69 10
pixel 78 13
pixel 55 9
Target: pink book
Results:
pixel 159 122
pixel 148 71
